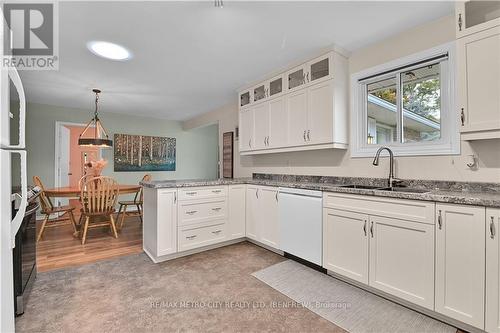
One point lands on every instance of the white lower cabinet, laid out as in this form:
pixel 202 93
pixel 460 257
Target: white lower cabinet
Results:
pixel 268 223
pixel 236 211
pixel 345 243
pixel 402 259
pixel 492 271
pixel 251 210
pixel 191 237
pixel 262 223
pixel 160 221
pixel 369 243
pixel 460 263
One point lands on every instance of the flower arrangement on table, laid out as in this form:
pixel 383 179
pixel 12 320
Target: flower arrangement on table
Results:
pixel 94 168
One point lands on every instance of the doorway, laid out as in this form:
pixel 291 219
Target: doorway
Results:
pixel 70 158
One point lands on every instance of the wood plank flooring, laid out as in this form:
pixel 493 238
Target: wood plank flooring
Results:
pixel 58 248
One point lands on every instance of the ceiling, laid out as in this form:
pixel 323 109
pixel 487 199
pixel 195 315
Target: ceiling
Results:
pixel 190 57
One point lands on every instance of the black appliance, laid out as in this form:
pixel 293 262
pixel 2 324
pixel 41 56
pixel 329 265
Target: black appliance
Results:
pixel 24 254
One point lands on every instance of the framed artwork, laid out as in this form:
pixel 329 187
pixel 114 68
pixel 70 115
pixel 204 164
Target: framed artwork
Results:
pixel 144 153
pixel 227 155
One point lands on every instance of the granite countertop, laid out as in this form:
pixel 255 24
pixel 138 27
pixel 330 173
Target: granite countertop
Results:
pixel 452 193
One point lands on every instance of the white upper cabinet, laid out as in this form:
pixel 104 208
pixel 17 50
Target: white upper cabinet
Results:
pixel 278 118
pixel 245 98
pixel 319 113
pixel 479 84
pixel 476 15
pixel 260 92
pixel 460 263
pixel 319 69
pixel 296 105
pixel 276 86
pixel 304 108
pixel 246 129
pixel 261 119
pixel 296 78
pixel 492 271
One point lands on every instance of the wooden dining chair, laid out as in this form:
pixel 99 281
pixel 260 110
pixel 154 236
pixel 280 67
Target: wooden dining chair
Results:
pixel 137 202
pixel 98 198
pixel 63 213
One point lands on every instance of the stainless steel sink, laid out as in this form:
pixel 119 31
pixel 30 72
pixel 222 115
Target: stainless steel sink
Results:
pixel 364 187
pixel 404 189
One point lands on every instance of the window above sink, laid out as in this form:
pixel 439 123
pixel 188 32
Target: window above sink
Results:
pixel 407 105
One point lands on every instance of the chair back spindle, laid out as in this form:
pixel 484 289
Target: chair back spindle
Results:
pixel 99 195
pixel 44 200
pixel 139 194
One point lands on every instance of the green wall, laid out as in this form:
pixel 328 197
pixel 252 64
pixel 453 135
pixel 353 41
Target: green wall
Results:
pixel 196 149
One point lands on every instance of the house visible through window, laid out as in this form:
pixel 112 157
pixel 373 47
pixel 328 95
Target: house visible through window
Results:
pixel 407 108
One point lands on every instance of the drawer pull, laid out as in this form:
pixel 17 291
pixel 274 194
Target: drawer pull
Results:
pixel 216 209
pixel 191 237
pixel 191 193
pixel 191 212
pixel 216 191
pixel 216 232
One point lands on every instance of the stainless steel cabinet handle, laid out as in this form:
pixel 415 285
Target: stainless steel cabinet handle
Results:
pixel 216 191
pixel 257 193
pixel 216 232
pixel 308 135
pixel 216 209
pixel 249 143
pixel 191 193
pixel 276 196
pixel 371 229
pixel 462 116
pixel 191 237
pixel 459 22
pixel 175 197
pixel 307 77
pixel 492 228
pixel 364 228
pixel 191 212
pixel 303 78
pixel 304 135
pixel 440 220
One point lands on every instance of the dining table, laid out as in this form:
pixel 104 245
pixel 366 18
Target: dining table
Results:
pixel 74 191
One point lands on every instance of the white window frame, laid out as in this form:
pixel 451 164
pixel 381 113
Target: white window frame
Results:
pixel 448 144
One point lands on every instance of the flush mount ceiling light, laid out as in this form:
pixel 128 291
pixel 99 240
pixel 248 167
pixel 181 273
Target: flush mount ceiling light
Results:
pixel 109 50
pixel 219 3
pixel 100 139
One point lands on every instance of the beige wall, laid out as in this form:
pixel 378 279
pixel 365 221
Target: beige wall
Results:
pixel 338 162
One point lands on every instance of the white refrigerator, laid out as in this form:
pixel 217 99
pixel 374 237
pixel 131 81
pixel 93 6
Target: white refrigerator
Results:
pixel 12 148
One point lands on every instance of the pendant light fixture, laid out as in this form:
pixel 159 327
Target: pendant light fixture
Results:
pixel 100 139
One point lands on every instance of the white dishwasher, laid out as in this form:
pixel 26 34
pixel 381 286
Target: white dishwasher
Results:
pixel 300 215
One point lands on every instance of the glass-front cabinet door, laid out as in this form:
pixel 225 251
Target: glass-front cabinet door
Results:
pixel 476 15
pixel 259 92
pixel 319 69
pixel 296 78
pixel 276 86
pixel 245 98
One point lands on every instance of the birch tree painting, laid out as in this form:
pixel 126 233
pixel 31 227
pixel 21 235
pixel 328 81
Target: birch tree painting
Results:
pixel 143 153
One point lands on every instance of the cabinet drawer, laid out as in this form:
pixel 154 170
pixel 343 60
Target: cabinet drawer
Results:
pixel 412 210
pixel 202 236
pixel 202 192
pixel 191 212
